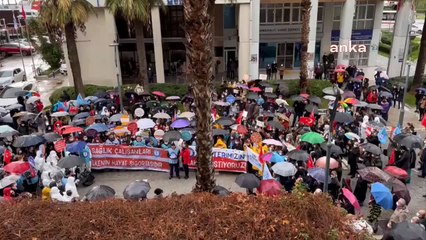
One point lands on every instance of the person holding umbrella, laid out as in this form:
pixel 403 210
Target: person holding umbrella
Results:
pixel 400 214
pixel 403 161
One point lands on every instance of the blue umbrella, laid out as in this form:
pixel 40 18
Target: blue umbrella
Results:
pixel 230 99
pixel 186 136
pixel 98 127
pixel 76 147
pixel 276 158
pixel 382 195
pixel 318 174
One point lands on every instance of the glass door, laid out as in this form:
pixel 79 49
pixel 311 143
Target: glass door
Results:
pixel 285 53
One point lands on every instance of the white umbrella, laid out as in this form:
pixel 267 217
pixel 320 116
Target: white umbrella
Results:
pixel 6 181
pixel 272 142
pixel 329 97
pixel 158 134
pixel 221 103
pixel 173 98
pixel 32 99
pixel 162 115
pixel 188 115
pixel 384 75
pixel 351 135
pixel 234 127
pixel 139 112
pixel 284 169
pixel 281 101
pixel 145 123
pixel 59 114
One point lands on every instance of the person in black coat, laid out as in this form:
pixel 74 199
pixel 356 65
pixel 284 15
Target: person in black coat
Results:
pixel 404 161
pixel 353 154
pixel 360 191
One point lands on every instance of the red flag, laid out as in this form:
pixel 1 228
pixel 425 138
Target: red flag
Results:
pixel 35 5
pixel 240 118
pixel 424 121
pixel 392 158
pixel 7 157
pixel 368 131
pixel 24 16
pixel 391 133
pixel 310 163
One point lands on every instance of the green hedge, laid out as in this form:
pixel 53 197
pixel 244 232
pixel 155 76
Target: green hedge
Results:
pixel 315 87
pixel 386 38
pixel 385 48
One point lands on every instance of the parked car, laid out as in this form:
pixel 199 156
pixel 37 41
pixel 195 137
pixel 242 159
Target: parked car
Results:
pixel 13 48
pixel 63 69
pixel 11 76
pixel 9 94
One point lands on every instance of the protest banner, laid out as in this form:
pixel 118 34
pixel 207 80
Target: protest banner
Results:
pixel 224 160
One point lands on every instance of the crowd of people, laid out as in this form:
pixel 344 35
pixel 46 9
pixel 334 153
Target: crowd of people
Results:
pixel 290 140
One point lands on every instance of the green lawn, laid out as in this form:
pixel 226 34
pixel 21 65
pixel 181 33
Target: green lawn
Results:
pixel 410 99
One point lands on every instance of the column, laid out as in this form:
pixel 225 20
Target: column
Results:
pixel 158 44
pixel 397 58
pixel 327 27
pixel 254 39
pixel 313 19
pixel 346 19
pixel 244 40
pixel 377 34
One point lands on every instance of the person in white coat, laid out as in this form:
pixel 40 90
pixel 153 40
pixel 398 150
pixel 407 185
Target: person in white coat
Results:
pixel 55 195
pixel 70 186
pixel 364 127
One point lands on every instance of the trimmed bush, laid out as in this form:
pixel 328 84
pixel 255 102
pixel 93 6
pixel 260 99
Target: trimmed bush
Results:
pixel 385 48
pixel 315 87
pixel 386 38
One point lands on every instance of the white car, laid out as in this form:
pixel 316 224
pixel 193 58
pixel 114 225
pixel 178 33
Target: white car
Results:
pixel 63 69
pixel 9 94
pixel 11 76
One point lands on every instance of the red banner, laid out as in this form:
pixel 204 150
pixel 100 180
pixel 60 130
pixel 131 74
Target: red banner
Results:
pixel 146 158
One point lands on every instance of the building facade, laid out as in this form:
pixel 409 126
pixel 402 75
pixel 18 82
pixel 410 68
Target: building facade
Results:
pixel 248 35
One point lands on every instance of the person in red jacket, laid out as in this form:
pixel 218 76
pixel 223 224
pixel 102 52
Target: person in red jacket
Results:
pixel 185 154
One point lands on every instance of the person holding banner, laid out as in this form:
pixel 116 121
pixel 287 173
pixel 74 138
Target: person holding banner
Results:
pixel 173 161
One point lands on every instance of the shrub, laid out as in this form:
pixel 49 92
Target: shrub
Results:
pixel 315 87
pixel 192 216
pixel 386 38
pixel 385 48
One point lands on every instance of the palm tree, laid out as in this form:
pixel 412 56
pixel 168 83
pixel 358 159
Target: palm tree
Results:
pixel 303 81
pixel 199 52
pixel 421 61
pixel 67 16
pixel 138 14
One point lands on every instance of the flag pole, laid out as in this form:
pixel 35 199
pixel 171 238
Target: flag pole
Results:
pixel 31 47
pixel 19 43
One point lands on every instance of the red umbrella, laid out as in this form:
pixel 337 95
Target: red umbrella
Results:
pixel 255 89
pixel 304 95
pixel 70 130
pixel 18 168
pixel 339 70
pixel 360 77
pixel 306 121
pixel 351 101
pixel 397 172
pixel 341 66
pixel 320 163
pixel 242 130
pixel 270 188
pixel 352 199
pixel 158 93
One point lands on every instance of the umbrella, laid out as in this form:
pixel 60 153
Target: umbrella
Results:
pixel 253 96
pixel 255 89
pixel 311 107
pixel 371 148
pixel 70 161
pixel 98 127
pixel 136 190
pixel 339 70
pixel 332 91
pixel 224 121
pixel 374 106
pixel 307 121
pixel 284 169
pixel 273 142
pixel 384 75
pixel 18 168
pixel 6 131
pixel 321 162
pixel 270 95
pixel 81 115
pixel 180 123
pixel 304 95
pixel 360 104
pixel 158 93
pixel 351 135
pixel 186 136
pixel 270 187
pixel 330 98
pixel 145 123
pixel 382 195
pixel 221 103
pixel 265 84
pixel 312 138
pixel 281 101
pixel 52 137
pixel 28 141
pixel 275 157
pixel 220 191
pixel 334 148
pixel 70 130
pixel 76 147
pixel 247 180
pixel 99 193
pixel 385 94
pixel 8 180
pixel 161 115
pixel 152 104
pixel 343 118
pixel 348 94
pixel 14 106
pixel 2 149
pixel 242 86
pixel 115 118
pixel 352 199
pixel 32 99
pixel 241 129
pixel 298 155
pixel 407 231
pixel 297 98
pixel 400 190
pixel 396 172
pixel 351 101
pixel 374 174
pixel 139 112
pixel 421 89
pixel 412 141
pixel 59 114
pixel 230 99
pixel 173 98
pixel 315 99
pixel 376 125
pixel 188 115
pixel 318 174
pixel 276 125
pixel 218 132
pixel 172 136
pixel 379 69
pixel 3 112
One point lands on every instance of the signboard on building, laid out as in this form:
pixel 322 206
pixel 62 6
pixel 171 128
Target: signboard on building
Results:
pixel 174 2
pixel 284 28
pixel 357 35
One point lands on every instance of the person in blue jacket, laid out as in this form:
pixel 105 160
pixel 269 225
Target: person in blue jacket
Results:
pixel 173 153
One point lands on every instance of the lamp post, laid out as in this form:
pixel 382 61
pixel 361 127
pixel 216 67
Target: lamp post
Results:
pixel 118 73
pixel 329 144
pixel 402 111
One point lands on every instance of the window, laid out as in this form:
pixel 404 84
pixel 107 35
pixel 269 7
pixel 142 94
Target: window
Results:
pixel 283 13
pixel 320 16
pixel 270 15
pixel 336 17
pixel 278 15
pixel 364 16
pixel 360 58
pixel 262 15
pixel 296 13
pixel 286 15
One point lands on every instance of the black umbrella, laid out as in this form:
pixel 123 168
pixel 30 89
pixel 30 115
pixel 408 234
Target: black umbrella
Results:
pixel 376 125
pixel 407 231
pixel 276 125
pixel 371 148
pixel 385 94
pixel 81 115
pixel 253 96
pixel 401 136
pixel 172 136
pixel 220 191
pixel 268 114
pixel 311 107
pixel 28 141
pixel 152 104
pixel 265 84
pixel 99 193
pixel 334 148
pixel 136 190
pixel 283 89
pixel 374 106
pixel 247 180
pixel 2 149
pixel 225 121
pixel 343 118
pixel 412 141
pixel 298 155
pixel 315 99
pixel 70 161
pixel 381 88
pixel 332 91
pixel 79 122
pixel 130 94
pixel 51 137
pixel 297 98
pixel 217 132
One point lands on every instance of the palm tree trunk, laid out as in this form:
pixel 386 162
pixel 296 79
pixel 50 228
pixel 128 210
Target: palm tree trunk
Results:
pixel 141 52
pixel 199 52
pixel 73 58
pixel 303 81
pixel 421 61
